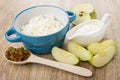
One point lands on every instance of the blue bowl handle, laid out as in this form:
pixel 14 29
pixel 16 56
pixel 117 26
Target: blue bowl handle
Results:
pixel 13 39
pixel 72 16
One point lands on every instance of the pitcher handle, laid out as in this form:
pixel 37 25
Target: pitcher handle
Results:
pixel 106 19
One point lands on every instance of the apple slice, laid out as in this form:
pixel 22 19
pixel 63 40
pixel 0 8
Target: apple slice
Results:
pixel 107 43
pixel 79 51
pixel 94 48
pixel 97 47
pixel 104 57
pixel 84 11
pixel 103 52
pixel 64 56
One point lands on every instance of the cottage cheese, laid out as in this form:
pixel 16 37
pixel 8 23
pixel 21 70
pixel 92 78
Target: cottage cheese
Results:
pixel 41 25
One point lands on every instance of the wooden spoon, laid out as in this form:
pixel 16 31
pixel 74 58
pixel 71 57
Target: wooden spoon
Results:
pixel 70 68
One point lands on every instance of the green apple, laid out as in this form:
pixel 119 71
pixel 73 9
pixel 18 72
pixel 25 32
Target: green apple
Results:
pixel 107 43
pixel 97 47
pixel 64 56
pixel 79 51
pixel 84 11
pixel 105 53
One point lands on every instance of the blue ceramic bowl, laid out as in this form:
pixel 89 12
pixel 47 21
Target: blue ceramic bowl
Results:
pixel 40 44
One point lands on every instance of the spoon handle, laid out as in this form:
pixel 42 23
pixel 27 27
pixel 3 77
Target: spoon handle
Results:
pixel 73 69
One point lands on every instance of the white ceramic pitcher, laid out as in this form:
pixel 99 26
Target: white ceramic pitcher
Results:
pixel 87 38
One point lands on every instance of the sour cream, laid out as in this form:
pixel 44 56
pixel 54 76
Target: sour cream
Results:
pixel 88 28
pixel 86 33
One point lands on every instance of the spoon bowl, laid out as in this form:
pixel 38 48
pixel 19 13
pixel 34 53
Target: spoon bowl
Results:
pixel 70 68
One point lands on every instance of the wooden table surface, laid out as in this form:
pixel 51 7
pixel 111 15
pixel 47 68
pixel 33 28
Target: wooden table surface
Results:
pixel 8 71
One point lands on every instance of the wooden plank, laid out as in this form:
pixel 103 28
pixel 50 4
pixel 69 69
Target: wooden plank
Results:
pixel 8 71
